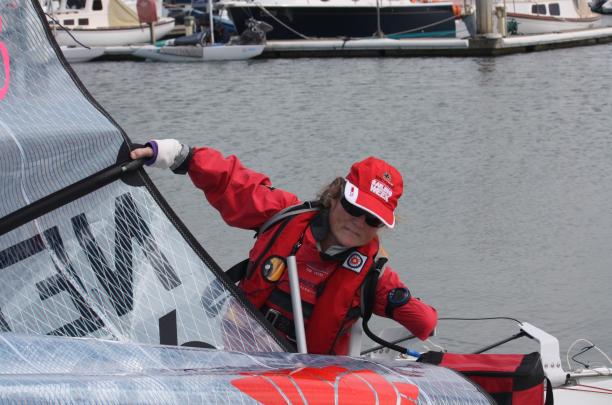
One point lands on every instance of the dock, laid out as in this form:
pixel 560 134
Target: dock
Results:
pixel 491 45
pixel 486 45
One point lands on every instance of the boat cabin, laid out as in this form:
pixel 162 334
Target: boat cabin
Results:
pixel 89 14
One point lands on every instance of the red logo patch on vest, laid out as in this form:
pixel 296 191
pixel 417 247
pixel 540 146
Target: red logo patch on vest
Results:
pixel 355 262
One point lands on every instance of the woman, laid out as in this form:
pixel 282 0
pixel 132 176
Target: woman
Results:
pixel 335 241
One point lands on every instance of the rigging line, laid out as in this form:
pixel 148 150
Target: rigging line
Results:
pixel 604 390
pixel 67 31
pixel 67 195
pixel 421 28
pixel 396 341
pixel 590 343
pixel 481 319
pixel 280 22
pixel 375 348
pixel 583 350
pixel 594 390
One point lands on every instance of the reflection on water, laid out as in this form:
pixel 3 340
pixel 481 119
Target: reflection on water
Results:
pixel 506 163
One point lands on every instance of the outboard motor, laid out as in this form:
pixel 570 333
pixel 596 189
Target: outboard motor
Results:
pixel 254 33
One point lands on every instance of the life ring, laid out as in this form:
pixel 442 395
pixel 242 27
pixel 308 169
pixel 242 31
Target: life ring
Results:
pixel 457 10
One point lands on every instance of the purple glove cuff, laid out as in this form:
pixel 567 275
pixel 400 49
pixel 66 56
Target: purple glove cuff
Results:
pixel 153 158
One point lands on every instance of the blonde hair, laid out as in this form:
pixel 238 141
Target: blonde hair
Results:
pixel 333 191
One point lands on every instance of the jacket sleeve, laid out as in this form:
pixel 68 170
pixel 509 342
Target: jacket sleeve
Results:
pixel 416 316
pixel 245 198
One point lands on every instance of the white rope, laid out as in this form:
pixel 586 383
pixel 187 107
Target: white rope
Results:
pixel 434 344
pixel 567 358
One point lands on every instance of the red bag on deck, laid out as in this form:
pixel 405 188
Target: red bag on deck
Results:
pixel 147 11
pixel 516 379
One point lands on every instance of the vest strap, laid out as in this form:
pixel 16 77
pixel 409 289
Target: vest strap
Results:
pixel 368 288
pixel 283 300
pixel 287 212
pixel 279 321
pixel 238 271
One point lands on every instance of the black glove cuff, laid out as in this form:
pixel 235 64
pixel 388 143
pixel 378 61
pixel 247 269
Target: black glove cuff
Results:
pixel 184 166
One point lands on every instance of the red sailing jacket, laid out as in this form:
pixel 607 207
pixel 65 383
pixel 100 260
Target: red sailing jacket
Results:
pixel 325 309
pixel 247 200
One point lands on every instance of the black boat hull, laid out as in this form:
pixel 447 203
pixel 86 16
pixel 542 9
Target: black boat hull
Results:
pixel 424 20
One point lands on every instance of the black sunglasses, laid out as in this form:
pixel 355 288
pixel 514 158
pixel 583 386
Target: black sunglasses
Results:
pixel 355 211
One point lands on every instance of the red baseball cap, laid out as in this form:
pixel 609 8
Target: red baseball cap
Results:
pixel 375 186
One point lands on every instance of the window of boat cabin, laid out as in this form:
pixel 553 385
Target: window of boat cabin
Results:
pixel 68 22
pixel 553 9
pixel 97 5
pixel 538 9
pixel 75 4
pixel 83 21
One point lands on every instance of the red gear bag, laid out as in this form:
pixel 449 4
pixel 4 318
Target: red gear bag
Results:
pixel 508 378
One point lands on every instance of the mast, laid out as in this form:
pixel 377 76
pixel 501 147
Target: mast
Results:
pixel 379 32
pixel 210 19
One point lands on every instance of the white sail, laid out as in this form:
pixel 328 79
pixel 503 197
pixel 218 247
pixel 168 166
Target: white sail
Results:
pixel 84 249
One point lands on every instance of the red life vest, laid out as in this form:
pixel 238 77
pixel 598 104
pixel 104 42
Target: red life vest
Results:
pixel 329 321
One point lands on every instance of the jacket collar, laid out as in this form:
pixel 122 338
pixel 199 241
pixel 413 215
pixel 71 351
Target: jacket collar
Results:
pixel 319 226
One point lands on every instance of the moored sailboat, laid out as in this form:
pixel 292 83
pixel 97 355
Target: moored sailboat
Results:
pixel 303 19
pixel 103 23
pixel 201 47
pixel 540 17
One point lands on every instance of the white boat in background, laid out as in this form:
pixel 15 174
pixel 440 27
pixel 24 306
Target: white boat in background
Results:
pixel 78 54
pixel 542 17
pixel 103 23
pixel 201 47
pixel 198 53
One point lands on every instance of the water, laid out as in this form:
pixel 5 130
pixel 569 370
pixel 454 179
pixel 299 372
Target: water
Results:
pixel 506 161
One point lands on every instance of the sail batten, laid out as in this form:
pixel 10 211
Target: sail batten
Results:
pixel 61 197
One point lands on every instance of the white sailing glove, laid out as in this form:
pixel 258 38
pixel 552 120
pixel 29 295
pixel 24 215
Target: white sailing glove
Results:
pixel 169 154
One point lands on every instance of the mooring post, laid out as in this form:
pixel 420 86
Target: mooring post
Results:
pixel 484 17
pixel 486 40
pixel 502 25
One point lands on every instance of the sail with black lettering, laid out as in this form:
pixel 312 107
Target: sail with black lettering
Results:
pixel 88 247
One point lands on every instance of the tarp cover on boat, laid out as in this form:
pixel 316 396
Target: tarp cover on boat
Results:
pixel 79 257
pixel 121 15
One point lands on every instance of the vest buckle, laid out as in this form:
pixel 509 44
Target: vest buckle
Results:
pixel 272 316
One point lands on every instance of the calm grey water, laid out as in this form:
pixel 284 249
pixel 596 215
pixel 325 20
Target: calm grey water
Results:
pixel 507 163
